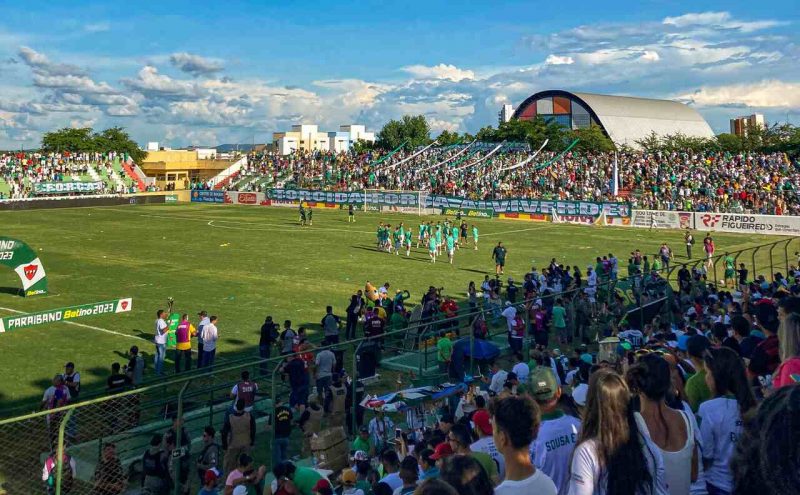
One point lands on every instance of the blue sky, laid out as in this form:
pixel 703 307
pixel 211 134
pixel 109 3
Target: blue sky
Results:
pixel 204 73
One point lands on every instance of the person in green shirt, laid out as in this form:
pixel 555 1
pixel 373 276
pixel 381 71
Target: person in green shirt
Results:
pixel 475 238
pixel 451 243
pixel 696 389
pixel 303 478
pixel 460 439
pixel 362 442
pixel 559 321
pixel 646 266
pixel 444 353
pixel 730 270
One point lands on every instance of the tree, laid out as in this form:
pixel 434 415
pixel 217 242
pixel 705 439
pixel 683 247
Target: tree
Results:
pixel 447 138
pixel 361 146
pixel 82 140
pixel 591 139
pixel 414 131
pixel 729 143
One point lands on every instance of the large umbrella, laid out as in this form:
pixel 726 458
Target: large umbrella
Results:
pixel 481 349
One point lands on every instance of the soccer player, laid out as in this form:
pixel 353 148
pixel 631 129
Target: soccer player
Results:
pixel 454 230
pixel 379 235
pixel 351 214
pixel 432 249
pixel 302 214
pixel 423 227
pixel 439 243
pixel 475 237
pixel 463 240
pixel 396 238
pixel 310 215
pixel 451 241
pixel 730 270
pixel 409 239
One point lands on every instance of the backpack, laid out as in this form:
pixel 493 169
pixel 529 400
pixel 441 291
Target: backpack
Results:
pixel 66 474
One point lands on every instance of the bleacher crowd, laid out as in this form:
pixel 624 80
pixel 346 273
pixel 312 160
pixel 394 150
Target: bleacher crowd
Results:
pixel 687 181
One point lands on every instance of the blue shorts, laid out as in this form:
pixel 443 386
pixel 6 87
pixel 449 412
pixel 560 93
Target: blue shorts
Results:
pixel 298 396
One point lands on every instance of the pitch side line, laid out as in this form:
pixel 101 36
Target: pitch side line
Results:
pixel 99 329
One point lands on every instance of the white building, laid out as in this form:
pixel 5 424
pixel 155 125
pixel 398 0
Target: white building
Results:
pixel 739 125
pixel 308 137
pixel 506 112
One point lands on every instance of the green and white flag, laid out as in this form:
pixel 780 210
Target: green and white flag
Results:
pixel 18 256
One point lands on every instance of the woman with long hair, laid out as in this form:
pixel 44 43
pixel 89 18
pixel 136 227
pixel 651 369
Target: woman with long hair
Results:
pixel 721 418
pixel 789 341
pixel 612 455
pixel 672 431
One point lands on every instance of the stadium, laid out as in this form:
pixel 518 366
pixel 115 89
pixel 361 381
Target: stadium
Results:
pixel 397 310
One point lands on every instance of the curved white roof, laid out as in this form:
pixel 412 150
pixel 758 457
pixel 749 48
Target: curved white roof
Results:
pixel 627 119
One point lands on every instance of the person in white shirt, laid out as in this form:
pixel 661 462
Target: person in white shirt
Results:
pixel 485 442
pixel 721 417
pixel 521 368
pixel 160 341
pixel 515 422
pixel 210 337
pixel 669 429
pixel 612 455
pixel 552 448
pixel 498 379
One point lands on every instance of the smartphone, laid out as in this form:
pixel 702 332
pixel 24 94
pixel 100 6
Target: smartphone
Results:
pixel 397 433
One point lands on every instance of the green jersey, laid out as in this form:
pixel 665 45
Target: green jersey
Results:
pixel 451 241
pixel 474 232
pixel 396 236
pixel 455 232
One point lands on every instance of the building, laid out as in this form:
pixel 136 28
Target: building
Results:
pixel 506 113
pixel 307 137
pixel 181 167
pixel 625 120
pixel 739 125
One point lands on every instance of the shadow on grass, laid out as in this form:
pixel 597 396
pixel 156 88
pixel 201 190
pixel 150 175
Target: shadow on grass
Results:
pixel 472 270
pixel 14 291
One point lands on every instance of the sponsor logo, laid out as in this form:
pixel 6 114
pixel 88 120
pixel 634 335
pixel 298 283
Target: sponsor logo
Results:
pixel 30 271
pixel 171 198
pixel 247 198
pixel 35 292
pixel 711 220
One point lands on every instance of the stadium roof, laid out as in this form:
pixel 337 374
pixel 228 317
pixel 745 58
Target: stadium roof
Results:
pixel 627 119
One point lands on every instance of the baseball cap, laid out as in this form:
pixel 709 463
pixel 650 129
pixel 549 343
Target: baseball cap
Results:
pixel 211 475
pixel 360 455
pixel 348 476
pixel 544 385
pixel 587 358
pixel 481 420
pixel 363 429
pixel 442 450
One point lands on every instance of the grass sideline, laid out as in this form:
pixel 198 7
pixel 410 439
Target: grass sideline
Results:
pixel 243 263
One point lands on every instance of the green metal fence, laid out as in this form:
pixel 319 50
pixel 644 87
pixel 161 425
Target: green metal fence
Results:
pixel 201 398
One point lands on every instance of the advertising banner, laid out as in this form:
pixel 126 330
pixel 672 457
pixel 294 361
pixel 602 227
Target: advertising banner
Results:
pixel 658 219
pixel 468 212
pixel 208 196
pixel 70 313
pixel 66 187
pixel 749 224
pixel 23 260
pixel 171 198
pixel 410 199
pixel 244 198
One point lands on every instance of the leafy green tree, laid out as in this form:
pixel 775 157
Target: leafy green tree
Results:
pixel 414 131
pixel 361 146
pixel 591 139
pixel 730 143
pixel 81 140
pixel 447 138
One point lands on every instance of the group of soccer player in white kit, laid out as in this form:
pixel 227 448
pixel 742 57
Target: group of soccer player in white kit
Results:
pixel 437 237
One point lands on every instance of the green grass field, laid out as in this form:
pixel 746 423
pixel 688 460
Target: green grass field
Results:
pixel 243 263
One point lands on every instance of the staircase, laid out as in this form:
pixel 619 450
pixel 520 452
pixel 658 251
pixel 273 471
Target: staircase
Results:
pixel 140 185
pixel 93 175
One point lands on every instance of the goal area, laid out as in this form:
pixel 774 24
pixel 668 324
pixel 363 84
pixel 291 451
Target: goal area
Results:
pixel 397 201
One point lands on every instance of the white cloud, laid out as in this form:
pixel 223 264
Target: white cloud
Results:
pixel 764 94
pixel 44 66
pixel 559 60
pixel 150 83
pixel 441 71
pixel 650 56
pixel 97 27
pixel 195 64
pixel 722 20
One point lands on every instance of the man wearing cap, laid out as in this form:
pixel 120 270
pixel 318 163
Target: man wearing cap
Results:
pixel 349 483
pixel 485 442
pixel 551 451
pixel 362 442
pixel 441 452
pixel 204 320
pixel 209 482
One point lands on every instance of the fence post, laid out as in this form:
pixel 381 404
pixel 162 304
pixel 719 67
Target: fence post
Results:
pixel 771 264
pixel 355 404
pixel 60 450
pixel 178 435
pixel 753 259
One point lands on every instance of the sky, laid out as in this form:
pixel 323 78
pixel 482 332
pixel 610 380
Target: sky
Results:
pixel 205 73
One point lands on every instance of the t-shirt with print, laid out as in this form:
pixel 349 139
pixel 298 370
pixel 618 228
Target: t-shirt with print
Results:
pixel 720 427
pixel 538 483
pixel 551 451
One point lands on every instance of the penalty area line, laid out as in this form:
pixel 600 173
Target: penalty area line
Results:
pixel 91 327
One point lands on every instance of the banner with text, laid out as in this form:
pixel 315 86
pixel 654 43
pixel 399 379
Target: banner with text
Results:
pixel 66 187
pixel 208 196
pixel 435 201
pixel 21 258
pixel 658 219
pixel 748 224
pixel 70 313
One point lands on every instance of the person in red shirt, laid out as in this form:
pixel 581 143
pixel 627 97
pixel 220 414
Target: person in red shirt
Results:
pixel 788 372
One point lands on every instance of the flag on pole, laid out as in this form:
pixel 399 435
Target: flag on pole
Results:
pixel 615 186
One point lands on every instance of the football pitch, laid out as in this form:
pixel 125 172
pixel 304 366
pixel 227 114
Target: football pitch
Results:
pixel 243 263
